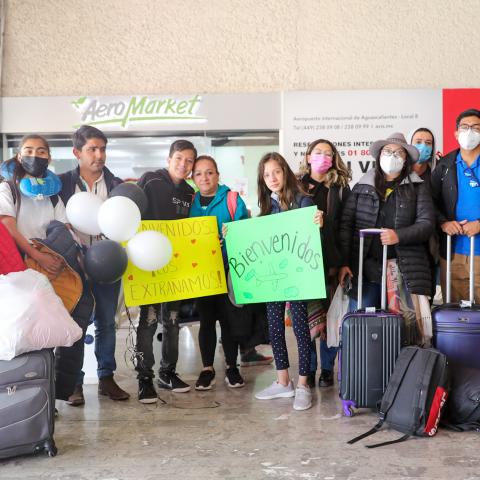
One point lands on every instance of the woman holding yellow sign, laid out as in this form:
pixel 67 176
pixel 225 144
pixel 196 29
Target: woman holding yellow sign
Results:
pixel 219 201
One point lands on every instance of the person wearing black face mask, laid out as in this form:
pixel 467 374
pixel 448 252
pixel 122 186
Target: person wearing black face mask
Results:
pixel 34 166
pixel 26 216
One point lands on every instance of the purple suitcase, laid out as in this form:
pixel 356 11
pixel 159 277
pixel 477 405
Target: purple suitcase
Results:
pixel 456 326
pixel 370 343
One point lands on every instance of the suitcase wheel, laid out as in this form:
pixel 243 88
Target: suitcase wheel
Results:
pixel 348 408
pixel 50 447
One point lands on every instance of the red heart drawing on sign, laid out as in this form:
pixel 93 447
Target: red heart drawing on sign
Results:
pixel 194 264
pixel 193 240
pixel 130 277
pixel 214 252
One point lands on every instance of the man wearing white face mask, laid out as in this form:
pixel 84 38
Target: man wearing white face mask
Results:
pixel 456 193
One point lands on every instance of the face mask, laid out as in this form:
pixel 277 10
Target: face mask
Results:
pixel 425 152
pixel 35 166
pixel 391 164
pixel 469 140
pixel 320 163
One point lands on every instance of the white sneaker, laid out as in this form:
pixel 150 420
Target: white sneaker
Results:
pixel 303 398
pixel 276 390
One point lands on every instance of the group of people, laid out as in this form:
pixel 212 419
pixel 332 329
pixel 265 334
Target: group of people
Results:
pixel 415 196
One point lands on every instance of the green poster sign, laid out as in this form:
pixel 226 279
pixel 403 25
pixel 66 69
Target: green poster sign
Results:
pixel 276 257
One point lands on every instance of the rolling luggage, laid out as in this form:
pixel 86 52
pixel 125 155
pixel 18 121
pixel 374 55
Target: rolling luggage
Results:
pixel 371 341
pixel 456 326
pixel 27 404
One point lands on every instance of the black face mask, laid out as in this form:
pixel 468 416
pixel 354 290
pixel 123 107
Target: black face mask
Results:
pixel 35 166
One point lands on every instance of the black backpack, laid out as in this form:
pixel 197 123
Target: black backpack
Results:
pixel 415 395
pixel 462 412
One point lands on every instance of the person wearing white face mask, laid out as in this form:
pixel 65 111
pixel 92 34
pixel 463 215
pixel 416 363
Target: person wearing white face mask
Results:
pixel 456 192
pixel 395 199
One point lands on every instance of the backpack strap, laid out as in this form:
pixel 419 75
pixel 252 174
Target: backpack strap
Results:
pixel 402 364
pixel 232 201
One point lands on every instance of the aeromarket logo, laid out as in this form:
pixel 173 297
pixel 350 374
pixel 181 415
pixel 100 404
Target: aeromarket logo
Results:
pixel 136 110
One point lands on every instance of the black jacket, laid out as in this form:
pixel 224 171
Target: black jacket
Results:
pixel 166 199
pixel 414 223
pixel 71 179
pixel 336 198
pixel 444 189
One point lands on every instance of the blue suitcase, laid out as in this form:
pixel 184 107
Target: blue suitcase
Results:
pixel 456 326
pixel 370 343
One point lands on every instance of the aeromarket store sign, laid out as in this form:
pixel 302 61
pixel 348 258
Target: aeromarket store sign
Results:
pixel 137 109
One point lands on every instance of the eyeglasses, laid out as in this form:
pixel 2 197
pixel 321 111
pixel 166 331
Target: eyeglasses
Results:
pixel 464 127
pixel 468 172
pixel 397 153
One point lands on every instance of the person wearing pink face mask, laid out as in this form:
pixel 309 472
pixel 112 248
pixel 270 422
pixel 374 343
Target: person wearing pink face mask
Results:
pixel 326 179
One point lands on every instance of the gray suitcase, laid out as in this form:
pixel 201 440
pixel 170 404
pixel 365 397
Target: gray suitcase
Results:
pixel 370 343
pixel 27 404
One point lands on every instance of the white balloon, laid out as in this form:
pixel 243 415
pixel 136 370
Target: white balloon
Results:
pixel 82 210
pixel 149 250
pixel 119 218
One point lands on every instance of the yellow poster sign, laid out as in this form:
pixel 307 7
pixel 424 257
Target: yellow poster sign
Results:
pixel 195 270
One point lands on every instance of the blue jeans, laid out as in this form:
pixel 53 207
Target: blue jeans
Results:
pixel 327 356
pixel 371 297
pixel 106 301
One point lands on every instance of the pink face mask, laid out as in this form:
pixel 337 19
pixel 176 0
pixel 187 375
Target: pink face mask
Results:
pixel 320 163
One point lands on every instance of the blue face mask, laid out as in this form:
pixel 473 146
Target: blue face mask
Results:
pixel 425 152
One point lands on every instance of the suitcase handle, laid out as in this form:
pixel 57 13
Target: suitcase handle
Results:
pixel 363 233
pixel 472 269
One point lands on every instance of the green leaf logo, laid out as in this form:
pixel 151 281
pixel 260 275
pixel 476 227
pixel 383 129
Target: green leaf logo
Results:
pixel 77 103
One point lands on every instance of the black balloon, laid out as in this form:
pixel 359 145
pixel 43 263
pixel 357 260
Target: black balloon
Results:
pixel 106 261
pixel 133 192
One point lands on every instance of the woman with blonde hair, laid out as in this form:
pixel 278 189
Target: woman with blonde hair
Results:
pixel 326 179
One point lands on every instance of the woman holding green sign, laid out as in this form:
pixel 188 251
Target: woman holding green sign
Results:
pixel 215 200
pixel 279 191
pixel 326 179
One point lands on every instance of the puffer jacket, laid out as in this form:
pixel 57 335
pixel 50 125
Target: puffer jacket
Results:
pixel 414 223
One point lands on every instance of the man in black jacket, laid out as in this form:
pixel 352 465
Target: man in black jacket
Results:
pixel 89 147
pixel 456 192
pixel 169 198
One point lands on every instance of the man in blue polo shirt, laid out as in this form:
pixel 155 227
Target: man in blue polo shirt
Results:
pixel 456 193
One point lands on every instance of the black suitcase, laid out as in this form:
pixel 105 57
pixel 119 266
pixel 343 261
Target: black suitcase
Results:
pixel 456 326
pixel 370 343
pixel 27 404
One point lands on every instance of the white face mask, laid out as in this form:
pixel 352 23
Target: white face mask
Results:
pixel 469 140
pixel 391 164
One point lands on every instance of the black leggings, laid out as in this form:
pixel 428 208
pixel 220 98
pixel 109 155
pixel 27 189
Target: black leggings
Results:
pixel 210 310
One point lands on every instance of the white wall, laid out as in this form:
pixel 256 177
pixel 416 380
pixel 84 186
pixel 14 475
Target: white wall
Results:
pixel 112 47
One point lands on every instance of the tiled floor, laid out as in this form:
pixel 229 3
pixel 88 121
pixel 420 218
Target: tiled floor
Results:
pixel 227 434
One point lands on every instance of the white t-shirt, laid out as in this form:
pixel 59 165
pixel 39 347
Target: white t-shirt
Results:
pixel 99 188
pixel 34 215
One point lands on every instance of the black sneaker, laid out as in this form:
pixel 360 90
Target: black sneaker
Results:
pixel 326 379
pixel 206 380
pixel 146 391
pixel 311 379
pixel 233 378
pixel 171 381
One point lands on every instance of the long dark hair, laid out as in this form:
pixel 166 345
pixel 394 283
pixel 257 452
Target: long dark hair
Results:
pixel 290 188
pixel 380 181
pixel 338 174
pixel 432 159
